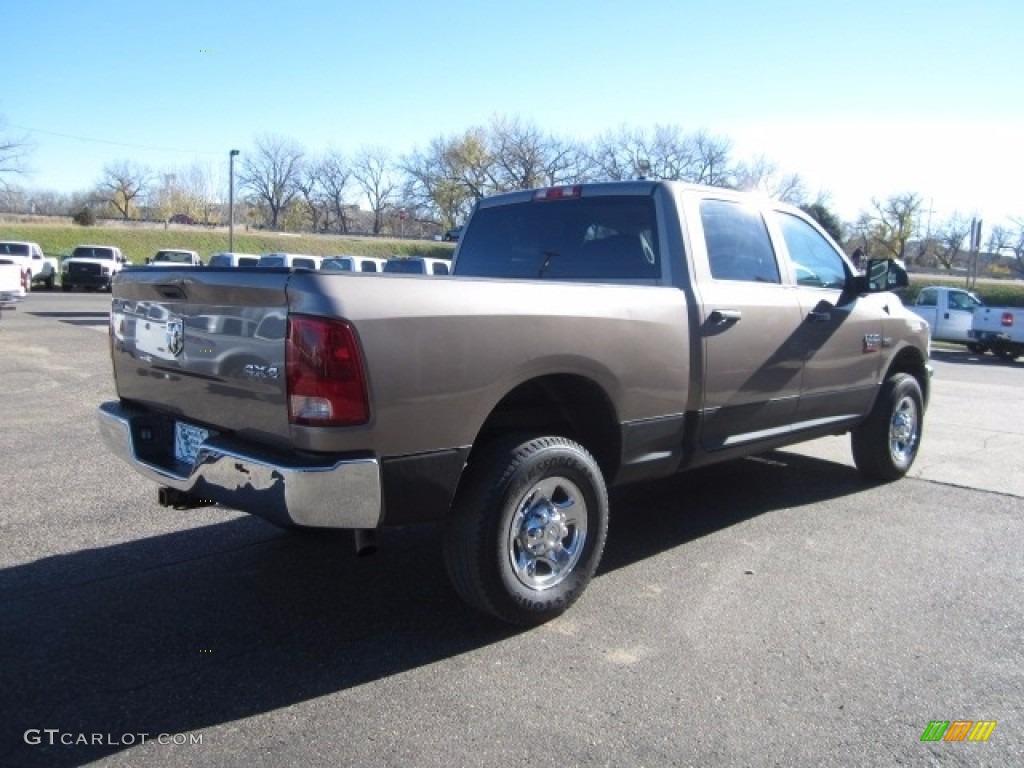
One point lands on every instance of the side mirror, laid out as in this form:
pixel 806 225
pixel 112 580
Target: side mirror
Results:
pixel 884 275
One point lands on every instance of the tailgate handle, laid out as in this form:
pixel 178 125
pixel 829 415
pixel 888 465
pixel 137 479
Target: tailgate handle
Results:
pixel 169 291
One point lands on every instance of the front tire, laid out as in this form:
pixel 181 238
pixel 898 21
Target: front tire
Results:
pixel 886 444
pixel 528 528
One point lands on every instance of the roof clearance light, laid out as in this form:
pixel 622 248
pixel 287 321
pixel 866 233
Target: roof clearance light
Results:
pixel 558 193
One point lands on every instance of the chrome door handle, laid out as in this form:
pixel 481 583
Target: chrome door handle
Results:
pixel 722 316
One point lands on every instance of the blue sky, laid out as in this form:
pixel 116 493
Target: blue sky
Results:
pixel 861 99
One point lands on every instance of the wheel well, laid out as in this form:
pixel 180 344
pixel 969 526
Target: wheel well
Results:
pixel 561 404
pixel 909 360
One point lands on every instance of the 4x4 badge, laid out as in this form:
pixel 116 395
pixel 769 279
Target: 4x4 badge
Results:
pixel 175 336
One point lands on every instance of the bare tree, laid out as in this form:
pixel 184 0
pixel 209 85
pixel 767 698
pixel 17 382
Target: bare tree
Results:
pixel 123 185
pixel 521 154
pixel 48 202
pixel 763 175
pixel 664 153
pixel 620 155
pixel 335 174
pixel 1015 243
pixel 435 181
pixel 714 166
pixel 14 152
pixel 205 192
pixel 371 169
pixel 950 240
pixel 309 182
pixel 270 172
pixel 568 162
pixel 894 223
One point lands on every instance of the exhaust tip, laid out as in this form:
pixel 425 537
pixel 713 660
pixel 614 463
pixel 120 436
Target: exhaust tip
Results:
pixel 365 541
pixel 172 497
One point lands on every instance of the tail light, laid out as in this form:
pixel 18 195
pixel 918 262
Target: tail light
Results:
pixel 1007 320
pixel 326 384
pixel 558 193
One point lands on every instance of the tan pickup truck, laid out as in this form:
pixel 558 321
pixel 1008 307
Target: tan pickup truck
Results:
pixel 589 336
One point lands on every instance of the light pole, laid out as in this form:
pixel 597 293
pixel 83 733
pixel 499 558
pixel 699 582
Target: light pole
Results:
pixel 231 200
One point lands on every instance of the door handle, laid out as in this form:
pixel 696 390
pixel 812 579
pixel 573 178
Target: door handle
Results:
pixel 723 316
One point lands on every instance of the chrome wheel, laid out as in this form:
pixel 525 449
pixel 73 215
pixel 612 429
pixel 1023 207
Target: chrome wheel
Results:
pixel 528 527
pixel 903 431
pixel 886 443
pixel 547 533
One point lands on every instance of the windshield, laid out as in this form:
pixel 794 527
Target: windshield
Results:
pixel 344 265
pixel 88 252
pixel 175 257
pixel 601 237
pixel 405 266
pixel 14 249
pixel 964 300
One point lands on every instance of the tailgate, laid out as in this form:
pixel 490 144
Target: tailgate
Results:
pixel 204 346
pixel 1002 320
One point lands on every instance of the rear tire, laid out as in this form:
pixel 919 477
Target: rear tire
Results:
pixel 1006 354
pixel 886 443
pixel 528 528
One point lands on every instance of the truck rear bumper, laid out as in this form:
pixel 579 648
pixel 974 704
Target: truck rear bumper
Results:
pixel 284 489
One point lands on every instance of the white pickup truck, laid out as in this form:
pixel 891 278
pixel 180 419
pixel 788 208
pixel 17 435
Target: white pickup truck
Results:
pixel 175 257
pixel 91 266
pixel 13 280
pixel 1000 329
pixel 43 269
pixel 949 312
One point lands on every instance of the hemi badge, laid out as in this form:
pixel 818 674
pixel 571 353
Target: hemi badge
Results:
pixel 872 342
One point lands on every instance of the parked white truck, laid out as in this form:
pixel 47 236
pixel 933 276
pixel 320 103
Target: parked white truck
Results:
pixel 91 266
pixel 949 312
pixel 175 257
pixel 999 329
pixel 13 280
pixel 29 256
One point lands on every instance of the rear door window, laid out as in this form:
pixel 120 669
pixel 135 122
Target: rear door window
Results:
pixel 738 244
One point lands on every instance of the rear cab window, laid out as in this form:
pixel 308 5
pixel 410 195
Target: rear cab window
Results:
pixel 603 237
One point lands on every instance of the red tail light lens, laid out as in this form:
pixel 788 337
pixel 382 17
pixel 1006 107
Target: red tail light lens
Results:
pixel 1007 320
pixel 326 385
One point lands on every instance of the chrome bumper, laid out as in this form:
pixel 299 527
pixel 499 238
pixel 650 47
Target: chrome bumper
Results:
pixel 334 494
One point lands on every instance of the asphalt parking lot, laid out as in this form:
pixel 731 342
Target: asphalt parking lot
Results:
pixel 776 611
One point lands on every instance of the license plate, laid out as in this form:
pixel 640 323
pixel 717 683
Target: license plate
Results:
pixel 187 440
